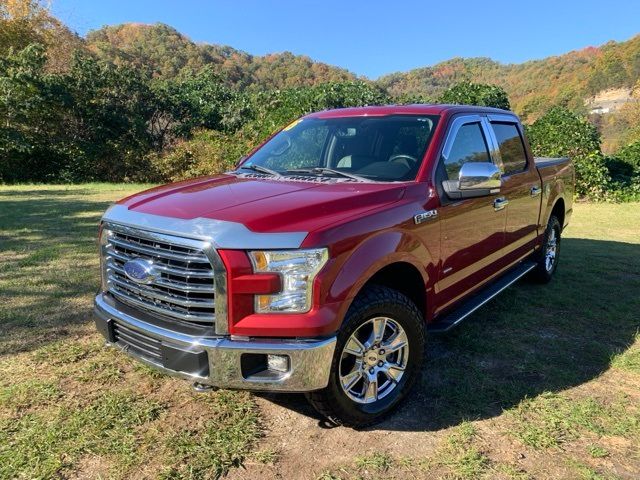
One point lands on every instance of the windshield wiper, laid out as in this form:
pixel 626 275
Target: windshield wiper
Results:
pixel 321 170
pixel 261 169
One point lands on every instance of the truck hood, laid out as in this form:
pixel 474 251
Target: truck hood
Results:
pixel 265 204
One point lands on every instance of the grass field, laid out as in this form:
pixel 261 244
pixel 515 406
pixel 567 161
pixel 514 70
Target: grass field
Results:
pixel 543 382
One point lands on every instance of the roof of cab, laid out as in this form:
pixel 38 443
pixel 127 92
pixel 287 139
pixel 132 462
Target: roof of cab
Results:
pixel 416 109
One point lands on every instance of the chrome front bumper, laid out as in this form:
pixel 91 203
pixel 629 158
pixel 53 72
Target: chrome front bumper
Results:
pixel 219 360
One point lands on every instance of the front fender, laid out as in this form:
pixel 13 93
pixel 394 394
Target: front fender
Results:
pixel 373 254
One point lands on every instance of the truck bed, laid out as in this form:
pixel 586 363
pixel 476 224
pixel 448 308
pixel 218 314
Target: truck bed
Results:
pixel 544 162
pixel 558 180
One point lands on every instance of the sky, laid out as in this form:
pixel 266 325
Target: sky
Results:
pixel 376 37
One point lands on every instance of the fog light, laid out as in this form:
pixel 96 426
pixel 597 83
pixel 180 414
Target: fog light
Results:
pixel 278 363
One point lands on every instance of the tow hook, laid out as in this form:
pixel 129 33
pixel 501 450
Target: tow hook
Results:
pixel 202 388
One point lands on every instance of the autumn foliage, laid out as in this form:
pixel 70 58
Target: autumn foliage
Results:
pixel 139 102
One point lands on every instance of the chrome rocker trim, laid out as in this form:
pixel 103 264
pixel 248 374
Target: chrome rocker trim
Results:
pixel 221 233
pixel 310 360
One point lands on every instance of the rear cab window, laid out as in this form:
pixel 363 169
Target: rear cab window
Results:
pixel 512 152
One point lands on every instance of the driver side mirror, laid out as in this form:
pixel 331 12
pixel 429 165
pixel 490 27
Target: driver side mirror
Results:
pixel 476 179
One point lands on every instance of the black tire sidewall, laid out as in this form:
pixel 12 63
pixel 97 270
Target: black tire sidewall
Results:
pixel 407 318
pixel 543 274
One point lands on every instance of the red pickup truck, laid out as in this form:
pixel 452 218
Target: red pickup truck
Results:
pixel 323 260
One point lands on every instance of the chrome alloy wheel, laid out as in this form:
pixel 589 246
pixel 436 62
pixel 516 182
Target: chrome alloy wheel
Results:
pixel 552 250
pixel 373 360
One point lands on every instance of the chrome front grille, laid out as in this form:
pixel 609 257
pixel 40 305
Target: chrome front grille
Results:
pixel 184 287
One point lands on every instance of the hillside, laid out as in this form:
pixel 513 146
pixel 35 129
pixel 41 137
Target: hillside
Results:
pixel 533 86
pixel 164 52
pixel 572 79
pixel 138 102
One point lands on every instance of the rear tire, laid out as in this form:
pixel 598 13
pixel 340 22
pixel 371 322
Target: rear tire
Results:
pixel 547 258
pixel 378 356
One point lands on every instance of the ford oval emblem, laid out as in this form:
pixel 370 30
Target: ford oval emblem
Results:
pixel 140 270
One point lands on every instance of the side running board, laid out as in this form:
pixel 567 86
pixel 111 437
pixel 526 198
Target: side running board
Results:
pixel 478 299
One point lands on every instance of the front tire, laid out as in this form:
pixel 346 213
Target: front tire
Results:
pixel 547 258
pixel 378 356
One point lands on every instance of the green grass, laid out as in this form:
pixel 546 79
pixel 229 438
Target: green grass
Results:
pixel 533 339
pixel 460 454
pixel 542 382
pixel 545 370
pixel 550 420
pixel 630 359
pixel 69 406
pixel 379 461
pixel 44 443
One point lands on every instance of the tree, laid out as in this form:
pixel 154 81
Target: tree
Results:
pixel 562 133
pixel 21 23
pixel 276 108
pixel 25 22
pixel 192 100
pixel 210 151
pixel 107 113
pixel 30 117
pixel 88 124
pixel 467 93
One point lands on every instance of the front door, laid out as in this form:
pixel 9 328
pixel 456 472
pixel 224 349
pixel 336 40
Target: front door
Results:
pixel 472 230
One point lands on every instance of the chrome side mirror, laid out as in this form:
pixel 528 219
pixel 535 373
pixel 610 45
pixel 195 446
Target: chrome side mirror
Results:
pixel 479 175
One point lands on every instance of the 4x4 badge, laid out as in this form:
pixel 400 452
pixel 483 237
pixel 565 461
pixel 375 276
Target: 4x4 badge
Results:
pixel 424 216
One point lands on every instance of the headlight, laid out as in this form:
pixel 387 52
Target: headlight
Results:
pixel 298 269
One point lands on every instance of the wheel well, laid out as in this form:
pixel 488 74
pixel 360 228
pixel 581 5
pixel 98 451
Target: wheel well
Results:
pixel 558 210
pixel 404 278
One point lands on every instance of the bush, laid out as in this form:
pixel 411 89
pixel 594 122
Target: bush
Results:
pixel 631 155
pixel 208 152
pixel 467 93
pixel 624 168
pixel 104 122
pixel 562 133
pixel 592 176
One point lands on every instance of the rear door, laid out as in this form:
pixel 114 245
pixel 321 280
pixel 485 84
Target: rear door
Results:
pixel 472 229
pixel 521 186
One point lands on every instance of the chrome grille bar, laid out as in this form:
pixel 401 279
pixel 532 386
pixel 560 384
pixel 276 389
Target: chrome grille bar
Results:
pixel 171 270
pixel 184 287
pixel 157 252
pixel 152 293
pixel 173 284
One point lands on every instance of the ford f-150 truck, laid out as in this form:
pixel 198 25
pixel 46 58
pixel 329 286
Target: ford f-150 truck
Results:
pixel 322 261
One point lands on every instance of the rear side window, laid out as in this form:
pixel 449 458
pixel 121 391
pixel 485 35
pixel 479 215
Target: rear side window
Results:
pixel 468 146
pixel 512 152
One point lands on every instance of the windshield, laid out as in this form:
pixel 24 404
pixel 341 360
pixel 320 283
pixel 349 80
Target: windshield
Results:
pixel 388 148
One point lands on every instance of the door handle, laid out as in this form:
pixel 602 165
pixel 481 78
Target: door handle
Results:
pixel 535 191
pixel 500 203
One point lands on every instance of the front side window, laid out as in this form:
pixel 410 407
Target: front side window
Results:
pixel 375 148
pixel 512 151
pixel 469 145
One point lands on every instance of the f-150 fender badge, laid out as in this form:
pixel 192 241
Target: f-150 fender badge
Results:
pixel 424 216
